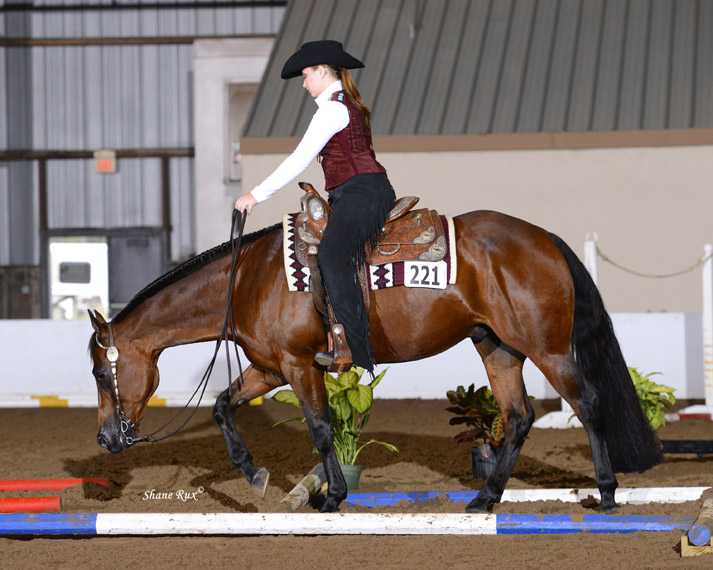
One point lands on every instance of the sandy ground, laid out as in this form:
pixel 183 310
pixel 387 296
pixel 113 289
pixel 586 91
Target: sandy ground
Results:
pixel 62 443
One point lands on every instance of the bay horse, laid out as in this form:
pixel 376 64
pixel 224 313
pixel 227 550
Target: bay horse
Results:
pixel 520 293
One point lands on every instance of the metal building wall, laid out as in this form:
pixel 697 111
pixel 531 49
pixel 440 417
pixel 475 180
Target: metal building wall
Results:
pixel 97 92
pixel 153 18
pixel 120 97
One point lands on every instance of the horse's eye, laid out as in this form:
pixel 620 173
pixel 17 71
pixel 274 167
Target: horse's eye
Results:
pixel 101 376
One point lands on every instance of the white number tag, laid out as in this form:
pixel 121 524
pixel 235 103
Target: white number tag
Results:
pixel 428 274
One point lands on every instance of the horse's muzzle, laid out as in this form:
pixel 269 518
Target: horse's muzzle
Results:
pixel 111 440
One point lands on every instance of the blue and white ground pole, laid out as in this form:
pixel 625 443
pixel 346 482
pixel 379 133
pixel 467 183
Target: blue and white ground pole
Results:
pixel 123 524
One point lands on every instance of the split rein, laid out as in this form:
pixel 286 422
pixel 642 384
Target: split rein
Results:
pixel 128 427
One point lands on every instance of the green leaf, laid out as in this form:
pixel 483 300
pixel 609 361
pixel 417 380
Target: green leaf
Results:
pixel 330 382
pixel 295 419
pixel 388 446
pixel 460 420
pixel 375 382
pixel 360 397
pixel 344 410
pixel 287 397
pixel 497 430
pixel 348 379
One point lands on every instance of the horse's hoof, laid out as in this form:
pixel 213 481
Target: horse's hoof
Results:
pixel 328 508
pixel 259 482
pixel 330 505
pixel 478 507
pixel 613 509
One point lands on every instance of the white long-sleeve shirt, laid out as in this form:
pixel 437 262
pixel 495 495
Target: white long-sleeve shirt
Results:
pixel 330 118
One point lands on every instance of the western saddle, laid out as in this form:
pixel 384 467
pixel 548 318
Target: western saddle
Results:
pixel 407 235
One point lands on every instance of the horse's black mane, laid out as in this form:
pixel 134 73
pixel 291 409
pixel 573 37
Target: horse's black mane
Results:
pixel 188 267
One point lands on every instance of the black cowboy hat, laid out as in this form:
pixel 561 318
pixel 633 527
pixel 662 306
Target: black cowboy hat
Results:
pixel 322 52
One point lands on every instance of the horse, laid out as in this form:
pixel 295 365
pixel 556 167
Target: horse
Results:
pixel 520 293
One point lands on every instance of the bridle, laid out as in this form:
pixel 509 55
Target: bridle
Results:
pixel 128 427
pixel 112 355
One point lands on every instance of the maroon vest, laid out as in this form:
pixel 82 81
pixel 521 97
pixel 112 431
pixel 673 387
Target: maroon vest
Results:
pixel 350 151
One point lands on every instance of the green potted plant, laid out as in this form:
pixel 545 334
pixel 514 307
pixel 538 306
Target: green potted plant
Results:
pixel 654 398
pixel 478 410
pixel 350 404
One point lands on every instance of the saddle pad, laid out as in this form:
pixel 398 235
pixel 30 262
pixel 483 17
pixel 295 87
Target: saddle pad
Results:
pixel 413 274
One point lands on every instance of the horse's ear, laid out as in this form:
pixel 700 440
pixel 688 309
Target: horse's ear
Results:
pixel 98 323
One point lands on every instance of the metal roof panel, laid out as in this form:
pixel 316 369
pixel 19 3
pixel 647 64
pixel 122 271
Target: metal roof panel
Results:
pixel 490 69
pixel 460 94
pixel 423 43
pixel 537 71
pixel 680 114
pixel 609 66
pixel 511 80
pixel 703 95
pixel 447 63
pixel 504 66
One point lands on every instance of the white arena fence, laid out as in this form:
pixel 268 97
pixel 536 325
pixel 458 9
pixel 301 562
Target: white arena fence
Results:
pixel 46 363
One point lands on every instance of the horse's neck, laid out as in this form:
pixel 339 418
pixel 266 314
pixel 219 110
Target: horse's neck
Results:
pixel 187 311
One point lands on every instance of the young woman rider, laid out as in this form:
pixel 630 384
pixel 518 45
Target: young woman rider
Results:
pixel 359 190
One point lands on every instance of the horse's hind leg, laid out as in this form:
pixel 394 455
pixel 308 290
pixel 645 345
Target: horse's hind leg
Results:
pixel 255 384
pixel 562 372
pixel 504 367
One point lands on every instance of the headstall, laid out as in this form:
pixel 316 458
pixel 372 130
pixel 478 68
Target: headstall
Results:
pixel 112 354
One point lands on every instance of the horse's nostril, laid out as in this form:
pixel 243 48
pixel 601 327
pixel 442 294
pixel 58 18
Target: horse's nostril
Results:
pixel 103 441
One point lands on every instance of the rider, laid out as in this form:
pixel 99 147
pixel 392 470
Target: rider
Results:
pixel 359 190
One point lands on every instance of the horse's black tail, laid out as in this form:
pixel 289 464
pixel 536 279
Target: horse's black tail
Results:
pixel 631 442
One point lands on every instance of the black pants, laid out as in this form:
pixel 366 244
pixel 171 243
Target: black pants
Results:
pixel 359 210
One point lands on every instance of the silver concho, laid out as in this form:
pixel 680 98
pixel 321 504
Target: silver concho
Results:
pixel 426 236
pixel 112 354
pixel 307 236
pixel 436 252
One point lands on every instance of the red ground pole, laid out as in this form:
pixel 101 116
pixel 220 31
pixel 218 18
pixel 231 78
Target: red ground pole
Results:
pixel 30 505
pixel 46 484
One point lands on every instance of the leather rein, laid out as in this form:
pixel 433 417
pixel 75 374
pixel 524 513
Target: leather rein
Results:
pixel 128 427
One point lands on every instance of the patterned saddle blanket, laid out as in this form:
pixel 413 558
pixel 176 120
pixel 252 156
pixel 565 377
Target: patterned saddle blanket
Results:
pixel 418 253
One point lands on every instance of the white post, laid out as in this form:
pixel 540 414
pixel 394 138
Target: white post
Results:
pixel 708 324
pixel 590 256
pixel 705 411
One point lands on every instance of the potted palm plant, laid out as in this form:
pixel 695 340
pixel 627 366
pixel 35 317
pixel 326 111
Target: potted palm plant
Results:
pixel 350 405
pixel 478 410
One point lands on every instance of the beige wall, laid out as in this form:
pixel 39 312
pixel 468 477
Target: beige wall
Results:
pixel 652 208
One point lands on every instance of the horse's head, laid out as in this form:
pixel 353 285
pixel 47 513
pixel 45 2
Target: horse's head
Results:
pixel 126 376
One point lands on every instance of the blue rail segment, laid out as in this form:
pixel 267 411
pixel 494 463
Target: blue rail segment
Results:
pixel 389 499
pixel 48 524
pixel 596 524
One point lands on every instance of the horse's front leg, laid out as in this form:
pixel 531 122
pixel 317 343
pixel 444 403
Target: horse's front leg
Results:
pixel 255 383
pixel 312 395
